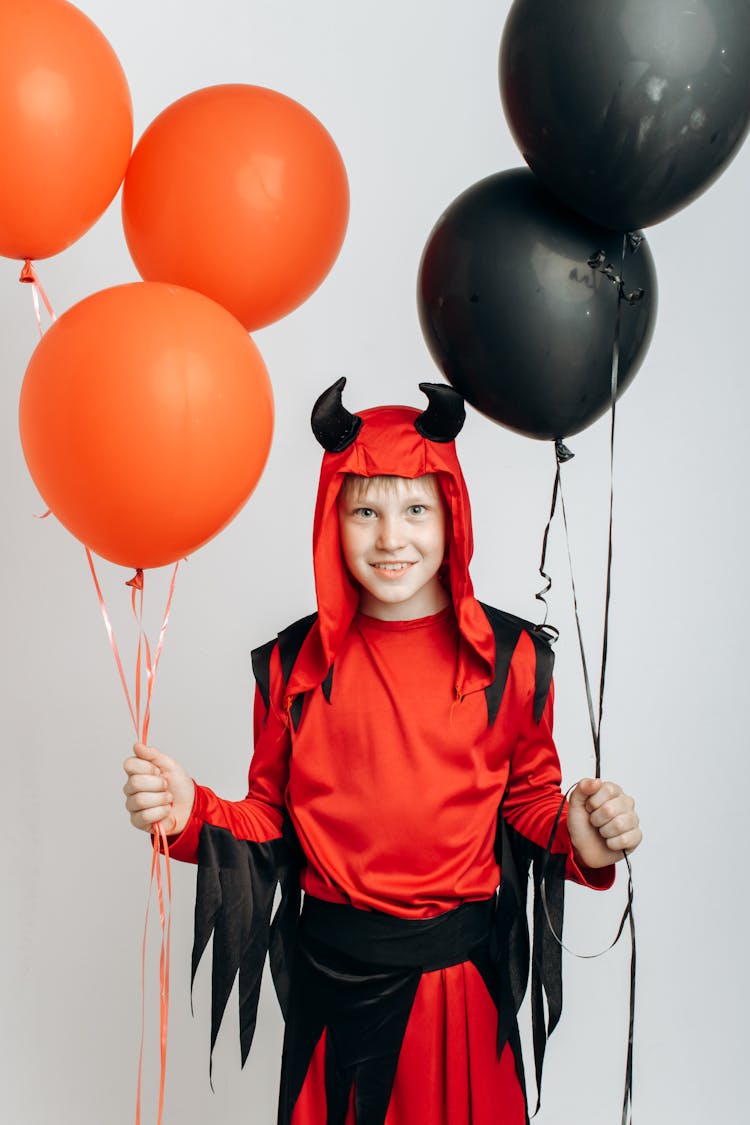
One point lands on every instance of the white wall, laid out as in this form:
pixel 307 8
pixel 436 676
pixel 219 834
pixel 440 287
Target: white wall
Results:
pixel 409 92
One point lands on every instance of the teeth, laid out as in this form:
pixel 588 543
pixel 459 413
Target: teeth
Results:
pixel 390 566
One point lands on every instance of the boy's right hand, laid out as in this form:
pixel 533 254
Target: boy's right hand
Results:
pixel 157 789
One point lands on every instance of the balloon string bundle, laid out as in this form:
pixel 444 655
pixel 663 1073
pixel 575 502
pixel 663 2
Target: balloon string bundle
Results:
pixel 141 721
pixel 30 277
pixel 562 454
pixel 165 918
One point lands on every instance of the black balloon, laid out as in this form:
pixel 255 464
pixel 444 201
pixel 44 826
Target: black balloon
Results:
pixel 518 320
pixel 627 109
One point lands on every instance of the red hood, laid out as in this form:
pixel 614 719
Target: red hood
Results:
pixel 388 444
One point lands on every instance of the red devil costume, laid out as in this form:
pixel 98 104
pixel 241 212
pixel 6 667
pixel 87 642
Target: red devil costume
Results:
pixel 399 768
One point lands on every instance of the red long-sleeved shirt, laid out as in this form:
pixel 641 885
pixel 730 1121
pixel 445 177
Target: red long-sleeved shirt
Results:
pixel 394 785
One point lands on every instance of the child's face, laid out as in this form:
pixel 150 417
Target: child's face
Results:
pixel 393 541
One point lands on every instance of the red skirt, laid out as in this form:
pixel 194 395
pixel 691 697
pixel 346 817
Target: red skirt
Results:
pixel 448 1071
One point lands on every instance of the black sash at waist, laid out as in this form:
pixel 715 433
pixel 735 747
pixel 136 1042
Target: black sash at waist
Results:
pixel 379 939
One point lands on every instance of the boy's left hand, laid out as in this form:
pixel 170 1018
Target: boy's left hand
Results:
pixel 602 822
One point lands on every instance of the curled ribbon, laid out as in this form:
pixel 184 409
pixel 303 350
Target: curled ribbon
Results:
pixel 598 261
pixel 562 454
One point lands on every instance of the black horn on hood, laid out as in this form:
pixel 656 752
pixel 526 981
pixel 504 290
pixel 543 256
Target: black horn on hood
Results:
pixel 444 417
pixel 333 425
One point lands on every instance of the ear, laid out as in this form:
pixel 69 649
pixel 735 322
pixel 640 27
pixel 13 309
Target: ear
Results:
pixel 334 427
pixel 444 417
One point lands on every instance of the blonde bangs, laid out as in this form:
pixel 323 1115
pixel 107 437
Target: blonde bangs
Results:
pixel 355 487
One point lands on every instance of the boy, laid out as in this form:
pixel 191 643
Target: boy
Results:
pixel 392 728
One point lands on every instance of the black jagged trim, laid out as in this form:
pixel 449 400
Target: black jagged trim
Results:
pixel 545 663
pixel 283 933
pixel 507 1027
pixel 261 661
pixel 295 710
pixel 518 858
pixel 291 640
pixel 546 958
pixel 511 946
pixel 506 633
pixel 327 684
pixel 235 890
pixel 364 1011
pixel 507 629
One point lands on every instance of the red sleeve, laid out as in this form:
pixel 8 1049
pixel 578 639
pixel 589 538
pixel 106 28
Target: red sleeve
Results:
pixel 533 794
pixel 259 816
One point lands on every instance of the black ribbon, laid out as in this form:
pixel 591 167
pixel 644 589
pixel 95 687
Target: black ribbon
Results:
pixel 627 915
pixel 541 595
pixel 631 241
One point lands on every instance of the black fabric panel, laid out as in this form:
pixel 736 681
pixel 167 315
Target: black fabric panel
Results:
pixel 507 628
pixel 261 660
pixel 489 969
pixel 364 1011
pixel 290 642
pixel 511 945
pixel 234 897
pixel 305 1022
pixel 295 711
pixel 516 1048
pixel 327 684
pixel 546 974
pixel 283 936
pixel 518 858
pixel 339 1083
pixel 385 940
pixel 545 662
pixel 374 1077
pixel 356 974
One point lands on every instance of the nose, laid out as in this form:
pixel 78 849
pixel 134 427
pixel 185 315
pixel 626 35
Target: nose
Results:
pixel 390 534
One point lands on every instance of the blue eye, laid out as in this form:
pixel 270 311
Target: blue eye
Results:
pixel 365 513
pixel 417 509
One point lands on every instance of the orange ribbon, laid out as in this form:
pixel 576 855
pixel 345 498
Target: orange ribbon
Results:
pixel 160 844
pixel 29 275
pixel 165 916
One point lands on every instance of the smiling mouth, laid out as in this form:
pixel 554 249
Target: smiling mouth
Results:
pixel 392 568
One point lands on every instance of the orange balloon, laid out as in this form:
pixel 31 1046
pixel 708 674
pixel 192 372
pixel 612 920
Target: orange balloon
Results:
pixel 238 192
pixel 146 417
pixel 66 126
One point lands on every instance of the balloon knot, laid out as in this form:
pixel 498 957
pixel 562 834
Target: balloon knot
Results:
pixel 136 582
pixel 28 273
pixel 633 297
pixel 597 262
pixel 562 452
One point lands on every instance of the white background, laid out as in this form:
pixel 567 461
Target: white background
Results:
pixel 409 92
